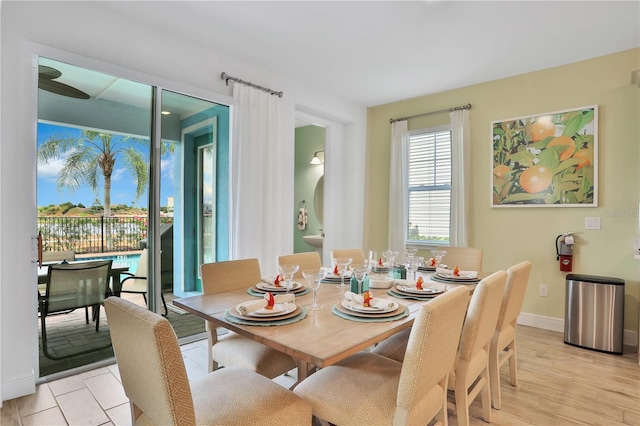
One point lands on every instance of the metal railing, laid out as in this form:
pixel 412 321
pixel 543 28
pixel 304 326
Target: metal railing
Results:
pixel 92 234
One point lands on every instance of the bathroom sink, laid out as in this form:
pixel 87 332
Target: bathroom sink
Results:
pixel 313 240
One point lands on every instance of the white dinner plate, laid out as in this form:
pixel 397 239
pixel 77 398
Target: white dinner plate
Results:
pixel 425 291
pixel 270 287
pixel 278 309
pixel 463 277
pixel 353 306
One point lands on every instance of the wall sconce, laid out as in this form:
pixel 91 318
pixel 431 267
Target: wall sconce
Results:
pixel 316 159
pixel 635 77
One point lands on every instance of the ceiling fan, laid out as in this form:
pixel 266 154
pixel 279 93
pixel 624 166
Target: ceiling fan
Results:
pixel 46 81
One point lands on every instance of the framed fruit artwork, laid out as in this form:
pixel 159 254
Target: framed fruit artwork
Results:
pixel 546 160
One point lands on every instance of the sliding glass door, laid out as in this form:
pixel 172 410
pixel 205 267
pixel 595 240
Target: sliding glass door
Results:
pixel 95 171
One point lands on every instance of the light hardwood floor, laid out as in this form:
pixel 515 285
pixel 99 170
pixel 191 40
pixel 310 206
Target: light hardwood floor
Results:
pixel 559 385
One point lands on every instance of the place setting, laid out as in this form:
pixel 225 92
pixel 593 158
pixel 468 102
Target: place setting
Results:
pixel 282 283
pixel 279 309
pixel 432 263
pixel 445 274
pixel 367 308
pixel 418 290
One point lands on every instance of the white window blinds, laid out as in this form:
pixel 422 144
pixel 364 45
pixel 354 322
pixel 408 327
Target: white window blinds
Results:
pixel 429 186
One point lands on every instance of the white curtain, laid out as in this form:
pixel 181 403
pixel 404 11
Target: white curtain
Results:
pixel 256 175
pixel 460 154
pixel 398 186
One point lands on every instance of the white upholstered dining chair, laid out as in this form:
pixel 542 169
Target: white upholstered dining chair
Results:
pixel 470 376
pixel 465 258
pixel 232 349
pixel 308 260
pixel 155 379
pixel 503 343
pixel 355 254
pixel 367 388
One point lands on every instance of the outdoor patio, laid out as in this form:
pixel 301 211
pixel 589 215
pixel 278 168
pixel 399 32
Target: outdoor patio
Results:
pixel 69 333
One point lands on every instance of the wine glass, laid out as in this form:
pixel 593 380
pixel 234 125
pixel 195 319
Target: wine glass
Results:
pixel 343 263
pixel 409 253
pixel 287 272
pixel 438 255
pixel 314 276
pixel 360 270
pixel 414 263
pixel 390 257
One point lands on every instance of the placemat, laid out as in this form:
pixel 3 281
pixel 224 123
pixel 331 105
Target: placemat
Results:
pixel 255 292
pixel 302 315
pixel 335 311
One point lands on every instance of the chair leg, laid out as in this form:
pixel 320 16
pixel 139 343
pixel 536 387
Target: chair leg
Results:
pixel 462 403
pixel 494 375
pixel 86 314
pixel 513 363
pixel 164 303
pixel 45 347
pixel 96 316
pixel 485 395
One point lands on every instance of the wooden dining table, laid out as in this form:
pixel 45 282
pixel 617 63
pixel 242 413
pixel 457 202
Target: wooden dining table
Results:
pixel 321 339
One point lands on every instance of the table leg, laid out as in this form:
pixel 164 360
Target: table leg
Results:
pixel 116 283
pixel 304 370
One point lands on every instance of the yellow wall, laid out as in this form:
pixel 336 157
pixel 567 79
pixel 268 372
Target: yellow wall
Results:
pixel 510 235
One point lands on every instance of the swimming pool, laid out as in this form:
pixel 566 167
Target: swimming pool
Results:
pixel 129 259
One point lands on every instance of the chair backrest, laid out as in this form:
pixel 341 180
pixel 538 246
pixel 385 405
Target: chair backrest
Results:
pixel 465 258
pixel 309 260
pixel 229 275
pixel 357 254
pixel 54 256
pixel 482 316
pixel 150 363
pixel 431 352
pixel 76 285
pixel 142 269
pixel 514 291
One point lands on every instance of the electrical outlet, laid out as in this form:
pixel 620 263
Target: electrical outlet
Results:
pixel 592 223
pixel 543 290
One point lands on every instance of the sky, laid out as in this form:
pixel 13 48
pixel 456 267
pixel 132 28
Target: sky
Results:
pixel 123 184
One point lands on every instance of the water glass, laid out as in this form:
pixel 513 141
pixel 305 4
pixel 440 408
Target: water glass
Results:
pixel 314 276
pixel 360 270
pixel 287 272
pixel 343 263
pixel 414 263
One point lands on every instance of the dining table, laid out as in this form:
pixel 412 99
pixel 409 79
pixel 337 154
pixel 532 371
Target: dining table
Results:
pixel 117 269
pixel 320 337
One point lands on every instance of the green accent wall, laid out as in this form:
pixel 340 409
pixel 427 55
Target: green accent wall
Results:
pixel 308 139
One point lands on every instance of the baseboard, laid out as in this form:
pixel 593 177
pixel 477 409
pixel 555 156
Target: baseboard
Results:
pixel 629 337
pixel 18 387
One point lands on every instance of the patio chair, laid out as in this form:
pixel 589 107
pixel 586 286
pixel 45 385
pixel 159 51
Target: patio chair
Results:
pixel 71 286
pixel 137 283
pixel 54 256
pixel 155 379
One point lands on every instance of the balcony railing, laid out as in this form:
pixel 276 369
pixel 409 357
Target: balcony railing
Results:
pixel 93 234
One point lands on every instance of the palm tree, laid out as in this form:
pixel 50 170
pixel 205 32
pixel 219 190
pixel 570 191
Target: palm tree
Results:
pixel 92 155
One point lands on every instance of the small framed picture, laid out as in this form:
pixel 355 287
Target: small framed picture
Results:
pixel 546 160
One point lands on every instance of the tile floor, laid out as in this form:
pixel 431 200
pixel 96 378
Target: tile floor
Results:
pixel 94 397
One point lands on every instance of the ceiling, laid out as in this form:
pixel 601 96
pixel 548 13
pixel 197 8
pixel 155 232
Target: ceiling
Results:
pixel 378 52
pixel 373 53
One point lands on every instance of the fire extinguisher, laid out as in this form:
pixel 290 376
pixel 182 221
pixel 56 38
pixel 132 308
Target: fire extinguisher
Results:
pixel 564 251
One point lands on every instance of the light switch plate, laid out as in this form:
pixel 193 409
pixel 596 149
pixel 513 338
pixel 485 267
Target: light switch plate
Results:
pixel 592 222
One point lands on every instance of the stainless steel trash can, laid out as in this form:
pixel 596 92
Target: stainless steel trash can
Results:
pixel 594 312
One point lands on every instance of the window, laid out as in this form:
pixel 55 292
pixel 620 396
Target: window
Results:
pixel 429 186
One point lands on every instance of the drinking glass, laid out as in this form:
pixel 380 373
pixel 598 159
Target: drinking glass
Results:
pixel 314 276
pixel 390 257
pixel 438 255
pixel 414 263
pixel 409 253
pixel 287 272
pixel 360 270
pixel 343 263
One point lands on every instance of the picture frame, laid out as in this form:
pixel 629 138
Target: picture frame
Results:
pixel 546 160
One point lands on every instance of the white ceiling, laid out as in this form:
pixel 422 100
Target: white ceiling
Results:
pixel 383 51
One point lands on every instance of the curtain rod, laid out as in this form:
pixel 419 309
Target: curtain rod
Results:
pixel 467 106
pixel 226 77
